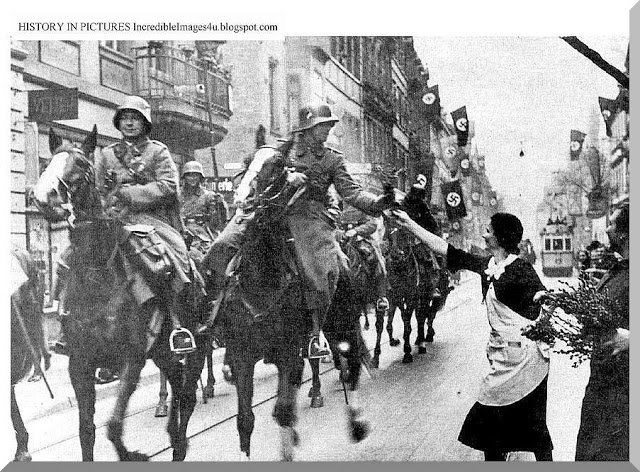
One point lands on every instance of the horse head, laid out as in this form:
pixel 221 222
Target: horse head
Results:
pixel 61 189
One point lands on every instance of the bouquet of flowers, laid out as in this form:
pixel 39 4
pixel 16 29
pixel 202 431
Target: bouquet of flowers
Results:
pixel 580 317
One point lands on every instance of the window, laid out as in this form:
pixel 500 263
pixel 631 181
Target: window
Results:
pixel 119 46
pixel 317 87
pixel 346 49
pixel 64 55
pixel 567 244
pixel 547 244
pixel 557 244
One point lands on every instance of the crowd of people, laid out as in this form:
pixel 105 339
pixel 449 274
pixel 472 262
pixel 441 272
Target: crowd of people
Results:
pixel 510 413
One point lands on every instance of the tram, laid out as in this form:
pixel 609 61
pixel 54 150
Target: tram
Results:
pixel 557 250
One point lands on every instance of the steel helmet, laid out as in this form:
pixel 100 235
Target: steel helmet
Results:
pixel 134 103
pixel 192 167
pixel 310 116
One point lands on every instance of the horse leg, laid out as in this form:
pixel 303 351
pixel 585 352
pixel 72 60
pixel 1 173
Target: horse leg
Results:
pixel 209 389
pixel 317 401
pixel 375 362
pixel 162 407
pixel 421 316
pixel 393 305
pixel 358 426
pixel 81 374
pixel 183 379
pixel 243 370
pixel 431 316
pixel 406 321
pixel 22 436
pixel 284 412
pixel 128 382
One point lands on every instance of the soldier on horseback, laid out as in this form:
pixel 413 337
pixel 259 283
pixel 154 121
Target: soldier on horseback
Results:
pixel 138 181
pixel 314 167
pixel 204 212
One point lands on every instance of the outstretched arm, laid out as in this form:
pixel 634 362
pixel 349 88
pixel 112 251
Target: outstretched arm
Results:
pixel 435 243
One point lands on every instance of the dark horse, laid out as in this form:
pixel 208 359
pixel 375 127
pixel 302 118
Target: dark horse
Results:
pixel 418 281
pixel 355 291
pixel 27 339
pixel 104 325
pixel 263 315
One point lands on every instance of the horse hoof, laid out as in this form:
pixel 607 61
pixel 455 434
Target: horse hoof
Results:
pixel 22 456
pixel 407 359
pixel 135 456
pixel 375 362
pixel 288 441
pixel 317 401
pixel 313 392
pixel 179 455
pixel 422 350
pixel 429 338
pixel 393 342
pixel 209 391
pixel 227 374
pixel 344 377
pixel 359 430
pixel 161 410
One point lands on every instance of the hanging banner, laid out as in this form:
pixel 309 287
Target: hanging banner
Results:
pixel 432 100
pixel 461 124
pixel 577 139
pixel 465 163
pixel 454 203
pixel 608 110
pixel 476 191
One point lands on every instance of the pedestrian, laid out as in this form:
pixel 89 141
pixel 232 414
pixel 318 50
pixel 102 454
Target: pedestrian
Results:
pixel 204 212
pixel 604 421
pixel 510 413
pixel 316 167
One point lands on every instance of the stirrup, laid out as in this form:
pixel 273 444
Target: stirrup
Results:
pixel 318 348
pixel 382 304
pixel 181 341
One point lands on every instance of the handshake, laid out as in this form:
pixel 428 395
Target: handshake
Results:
pixel 391 198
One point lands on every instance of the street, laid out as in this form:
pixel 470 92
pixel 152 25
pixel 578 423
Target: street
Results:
pixel 415 410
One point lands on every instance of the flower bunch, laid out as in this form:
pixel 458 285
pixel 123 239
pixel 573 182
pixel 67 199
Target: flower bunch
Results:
pixel 579 317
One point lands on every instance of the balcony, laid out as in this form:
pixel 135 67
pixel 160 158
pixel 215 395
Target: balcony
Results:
pixel 189 97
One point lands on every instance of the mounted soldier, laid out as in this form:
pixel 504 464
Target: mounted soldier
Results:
pixel 138 182
pixel 204 212
pixel 314 167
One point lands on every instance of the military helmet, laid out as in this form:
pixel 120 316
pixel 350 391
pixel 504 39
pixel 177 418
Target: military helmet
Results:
pixel 310 116
pixel 134 103
pixel 192 167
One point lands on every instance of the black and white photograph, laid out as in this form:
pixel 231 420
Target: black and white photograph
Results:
pixel 233 241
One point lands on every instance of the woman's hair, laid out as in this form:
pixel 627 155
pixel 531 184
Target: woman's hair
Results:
pixel 508 231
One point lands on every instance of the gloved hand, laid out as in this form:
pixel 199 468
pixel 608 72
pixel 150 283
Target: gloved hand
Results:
pixel 387 200
pixel 296 178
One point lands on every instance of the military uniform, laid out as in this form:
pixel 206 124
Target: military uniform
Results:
pixel 146 179
pixel 311 226
pixel 204 214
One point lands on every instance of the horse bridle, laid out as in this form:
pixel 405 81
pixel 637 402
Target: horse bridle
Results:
pixel 69 189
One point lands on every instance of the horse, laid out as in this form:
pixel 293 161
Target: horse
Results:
pixel 28 346
pixel 197 248
pixel 105 326
pixel 342 328
pixel 419 283
pixel 261 312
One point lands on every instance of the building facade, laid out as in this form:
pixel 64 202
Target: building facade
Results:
pixel 187 88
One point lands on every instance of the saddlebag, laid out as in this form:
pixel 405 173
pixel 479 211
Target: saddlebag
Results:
pixel 142 245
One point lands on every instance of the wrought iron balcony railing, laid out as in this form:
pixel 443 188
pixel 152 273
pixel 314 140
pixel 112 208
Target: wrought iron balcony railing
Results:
pixel 166 72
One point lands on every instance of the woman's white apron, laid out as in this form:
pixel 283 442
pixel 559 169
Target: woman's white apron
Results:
pixel 518 364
